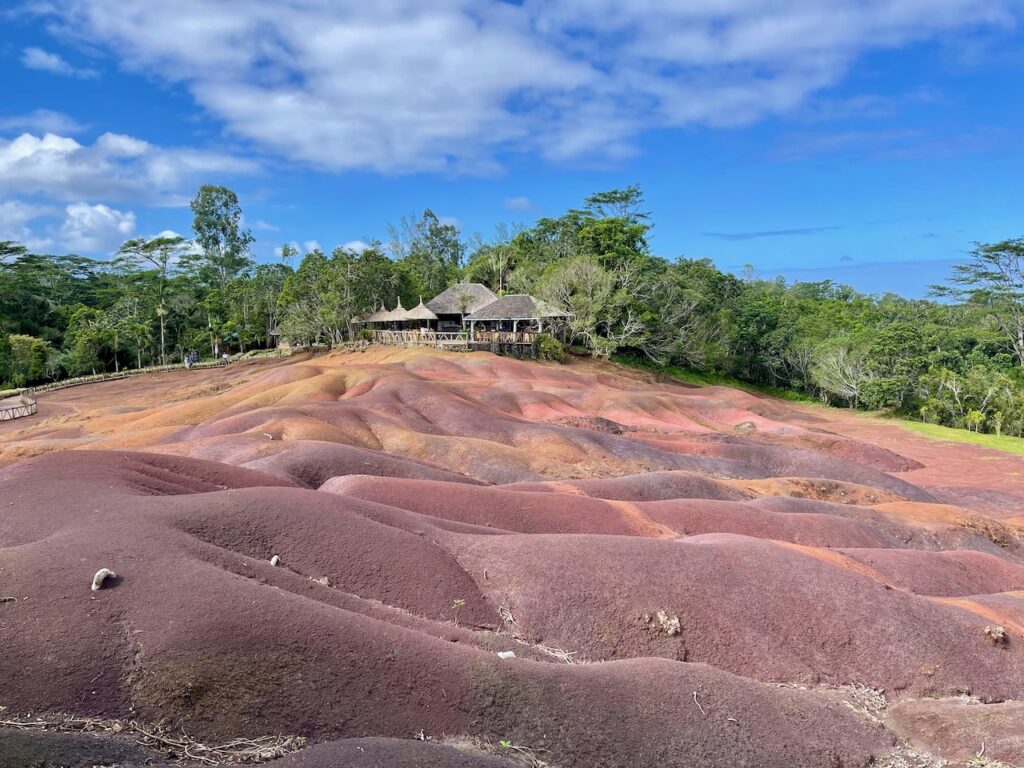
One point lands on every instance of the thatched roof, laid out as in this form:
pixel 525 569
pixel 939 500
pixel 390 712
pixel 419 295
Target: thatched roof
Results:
pixel 380 316
pixel 517 306
pixel 450 301
pixel 420 312
pixel 397 315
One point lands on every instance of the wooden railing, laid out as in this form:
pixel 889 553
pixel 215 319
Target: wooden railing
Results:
pixel 416 338
pixel 18 407
pixel 115 375
pixel 505 337
pixel 480 339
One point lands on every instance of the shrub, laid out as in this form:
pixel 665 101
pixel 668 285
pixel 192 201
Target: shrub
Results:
pixel 549 348
pixel 5 358
pixel 28 359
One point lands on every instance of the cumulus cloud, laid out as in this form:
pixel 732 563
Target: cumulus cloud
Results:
pixel 45 61
pixel 94 228
pixel 79 227
pixel 455 86
pixel 519 203
pixel 41 121
pixel 357 246
pixel 15 218
pixel 114 167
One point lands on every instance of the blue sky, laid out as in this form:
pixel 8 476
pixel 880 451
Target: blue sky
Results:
pixel 865 141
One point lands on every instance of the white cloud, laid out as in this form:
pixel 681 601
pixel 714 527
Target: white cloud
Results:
pixel 520 203
pixel 311 245
pixel 265 226
pixel 44 61
pixel 41 121
pixel 114 167
pixel 406 86
pixel 355 245
pixel 94 228
pixel 15 217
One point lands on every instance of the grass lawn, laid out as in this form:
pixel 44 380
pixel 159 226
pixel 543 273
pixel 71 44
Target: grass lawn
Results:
pixel 1005 443
pixel 701 379
pixel 998 443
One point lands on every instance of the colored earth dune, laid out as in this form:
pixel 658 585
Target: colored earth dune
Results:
pixel 686 576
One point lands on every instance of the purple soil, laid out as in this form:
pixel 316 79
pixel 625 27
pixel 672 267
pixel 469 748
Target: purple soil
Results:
pixel 431 510
pixel 944 574
pixel 497 508
pixel 755 608
pixel 181 637
pixel 313 464
pixel 390 753
pixel 959 730
pixel 651 486
pixel 47 749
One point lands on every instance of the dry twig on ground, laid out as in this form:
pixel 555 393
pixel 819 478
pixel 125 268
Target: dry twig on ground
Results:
pixel 176 746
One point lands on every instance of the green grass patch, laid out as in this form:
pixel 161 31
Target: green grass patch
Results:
pixel 1006 443
pixel 705 379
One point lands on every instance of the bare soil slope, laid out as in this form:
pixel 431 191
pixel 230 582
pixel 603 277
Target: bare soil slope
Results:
pixel 685 576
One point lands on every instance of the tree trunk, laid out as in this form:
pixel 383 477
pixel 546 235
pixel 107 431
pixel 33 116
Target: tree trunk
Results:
pixel 163 355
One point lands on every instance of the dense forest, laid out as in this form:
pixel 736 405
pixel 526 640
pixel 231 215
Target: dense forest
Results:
pixel 956 360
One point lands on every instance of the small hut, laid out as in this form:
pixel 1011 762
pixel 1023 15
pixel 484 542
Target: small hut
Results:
pixel 380 316
pixel 422 316
pixel 397 316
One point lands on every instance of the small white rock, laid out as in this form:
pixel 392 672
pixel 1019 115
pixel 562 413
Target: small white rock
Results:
pixel 101 576
pixel 275 560
pixel 506 654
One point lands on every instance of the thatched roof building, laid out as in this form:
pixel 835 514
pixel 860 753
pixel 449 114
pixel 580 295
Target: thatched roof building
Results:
pixel 516 306
pixel 461 299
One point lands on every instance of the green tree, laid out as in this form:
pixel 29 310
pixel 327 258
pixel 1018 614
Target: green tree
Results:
pixel 28 357
pixel 430 251
pixel 88 333
pixel 161 254
pixel 994 280
pixel 217 225
pixel 895 360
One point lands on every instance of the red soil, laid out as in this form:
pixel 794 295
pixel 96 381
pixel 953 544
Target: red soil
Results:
pixel 431 510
